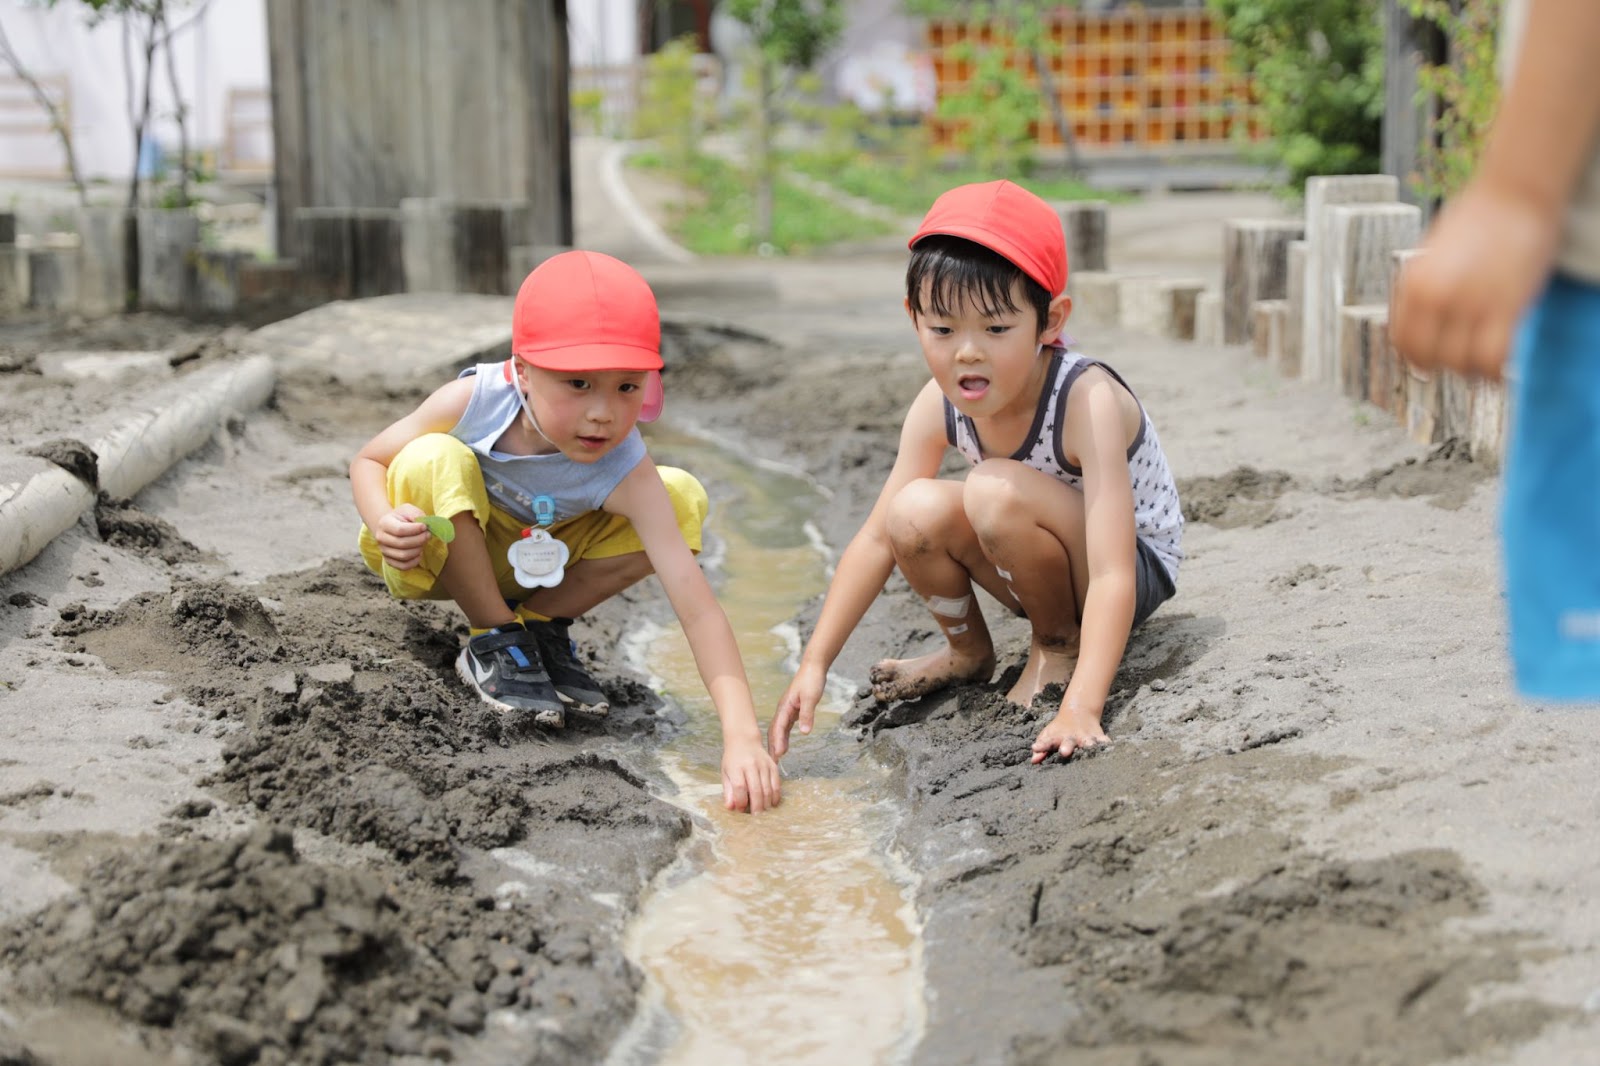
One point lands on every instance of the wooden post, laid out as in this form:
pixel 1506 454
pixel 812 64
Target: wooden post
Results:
pixel 1319 360
pixel 1084 225
pixel 1355 351
pixel 1358 241
pixel 1294 316
pixel 1254 267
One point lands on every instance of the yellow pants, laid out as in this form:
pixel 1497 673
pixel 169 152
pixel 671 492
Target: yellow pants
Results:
pixel 440 474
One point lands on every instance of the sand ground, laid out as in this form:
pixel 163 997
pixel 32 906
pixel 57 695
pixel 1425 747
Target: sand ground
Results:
pixel 246 813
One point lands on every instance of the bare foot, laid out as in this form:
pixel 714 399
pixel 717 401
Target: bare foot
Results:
pixel 907 679
pixel 1070 730
pixel 1046 665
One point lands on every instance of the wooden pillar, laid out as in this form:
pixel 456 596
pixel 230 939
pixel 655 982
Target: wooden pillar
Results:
pixel 1255 266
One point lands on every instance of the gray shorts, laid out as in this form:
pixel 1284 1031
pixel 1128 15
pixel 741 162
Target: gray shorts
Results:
pixel 1153 585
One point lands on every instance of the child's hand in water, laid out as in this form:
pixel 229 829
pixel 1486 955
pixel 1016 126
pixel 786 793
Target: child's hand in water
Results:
pixel 749 777
pixel 400 536
pixel 799 705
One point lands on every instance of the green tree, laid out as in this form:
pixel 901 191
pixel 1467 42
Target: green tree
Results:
pixel 669 106
pixel 789 37
pixel 1318 69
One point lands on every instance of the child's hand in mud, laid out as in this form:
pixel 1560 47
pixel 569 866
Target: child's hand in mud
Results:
pixel 400 536
pixel 799 704
pixel 1072 728
pixel 749 777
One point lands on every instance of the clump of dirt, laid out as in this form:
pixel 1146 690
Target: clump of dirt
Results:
pixel 73 456
pixel 122 525
pixel 243 950
pixel 1448 476
pixel 344 716
pixel 1244 496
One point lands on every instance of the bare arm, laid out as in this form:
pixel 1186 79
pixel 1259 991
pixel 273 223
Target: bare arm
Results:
pixel 400 538
pixel 864 567
pixel 1096 432
pixel 1493 245
pixel 750 777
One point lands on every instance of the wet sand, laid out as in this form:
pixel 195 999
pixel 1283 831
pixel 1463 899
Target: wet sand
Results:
pixel 246 810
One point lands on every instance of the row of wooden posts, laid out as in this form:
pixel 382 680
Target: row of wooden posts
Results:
pixel 424 245
pixel 1311 296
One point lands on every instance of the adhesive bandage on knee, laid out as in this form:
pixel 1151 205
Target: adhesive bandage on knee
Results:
pixel 945 607
pixel 956 631
pixel 1005 575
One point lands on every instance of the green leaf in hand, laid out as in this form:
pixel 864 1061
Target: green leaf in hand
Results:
pixel 442 528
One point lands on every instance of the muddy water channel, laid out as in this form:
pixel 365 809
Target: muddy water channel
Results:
pixel 787 937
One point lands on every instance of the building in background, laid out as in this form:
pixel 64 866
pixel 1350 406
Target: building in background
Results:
pixel 220 53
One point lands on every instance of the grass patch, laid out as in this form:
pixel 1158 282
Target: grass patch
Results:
pixel 719 210
pixel 911 194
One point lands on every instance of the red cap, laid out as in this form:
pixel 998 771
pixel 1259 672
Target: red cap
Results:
pixel 585 311
pixel 1006 219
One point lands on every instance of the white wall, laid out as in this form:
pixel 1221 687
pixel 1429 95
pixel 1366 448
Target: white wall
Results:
pixel 225 48
pixel 602 33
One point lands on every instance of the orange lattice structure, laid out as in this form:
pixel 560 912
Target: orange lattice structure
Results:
pixel 1129 80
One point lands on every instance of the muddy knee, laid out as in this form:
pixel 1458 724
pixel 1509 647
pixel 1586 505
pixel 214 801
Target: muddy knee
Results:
pixel 919 518
pixel 993 502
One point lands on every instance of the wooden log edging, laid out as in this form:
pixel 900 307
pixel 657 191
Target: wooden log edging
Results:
pixel 34 511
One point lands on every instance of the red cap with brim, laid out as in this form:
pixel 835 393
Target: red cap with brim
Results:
pixel 584 312
pixel 1009 221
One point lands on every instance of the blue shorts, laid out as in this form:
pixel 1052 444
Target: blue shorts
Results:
pixel 1550 513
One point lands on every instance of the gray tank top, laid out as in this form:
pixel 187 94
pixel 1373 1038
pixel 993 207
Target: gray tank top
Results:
pixel 514 481
pixel 1157 516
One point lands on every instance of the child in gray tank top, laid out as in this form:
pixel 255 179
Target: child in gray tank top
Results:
pixel 523 491
pixel 1069 515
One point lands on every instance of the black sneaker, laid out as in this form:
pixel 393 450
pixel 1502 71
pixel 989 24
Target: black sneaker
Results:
pixel 573 683
pixel 504 668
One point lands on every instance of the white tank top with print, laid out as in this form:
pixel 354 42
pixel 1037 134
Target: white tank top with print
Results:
pixel 1157 516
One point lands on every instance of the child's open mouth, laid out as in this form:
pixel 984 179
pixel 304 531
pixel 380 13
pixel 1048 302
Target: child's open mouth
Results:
pixel 972 387
pixel 593 444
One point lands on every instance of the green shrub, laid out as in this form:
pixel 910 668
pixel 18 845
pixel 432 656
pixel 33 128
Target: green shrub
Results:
pixel 1318 69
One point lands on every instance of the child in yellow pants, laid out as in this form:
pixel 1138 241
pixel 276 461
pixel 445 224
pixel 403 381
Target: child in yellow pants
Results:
pixel 523 491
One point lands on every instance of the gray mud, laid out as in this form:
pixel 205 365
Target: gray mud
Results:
pixel 1155 900
pixel 343 716
pixel 1294 849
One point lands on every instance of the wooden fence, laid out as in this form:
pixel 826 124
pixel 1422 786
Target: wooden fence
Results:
pixel 375 101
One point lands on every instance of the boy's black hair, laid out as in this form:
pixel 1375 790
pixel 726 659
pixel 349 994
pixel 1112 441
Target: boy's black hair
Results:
pixel 957 269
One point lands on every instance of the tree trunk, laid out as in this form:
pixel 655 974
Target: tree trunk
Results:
pixel 180 114
pixel 58 122
pixel 763 149
pixel 140 120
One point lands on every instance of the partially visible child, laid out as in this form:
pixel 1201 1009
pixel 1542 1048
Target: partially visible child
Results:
pixel 1069 514
pixel 553 506
pixel 1512 267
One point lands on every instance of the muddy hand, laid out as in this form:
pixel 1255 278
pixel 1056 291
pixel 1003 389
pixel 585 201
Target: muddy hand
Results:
pixel 1070 730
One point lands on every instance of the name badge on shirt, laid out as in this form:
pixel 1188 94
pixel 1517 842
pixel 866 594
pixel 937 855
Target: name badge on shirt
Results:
pixel 539 560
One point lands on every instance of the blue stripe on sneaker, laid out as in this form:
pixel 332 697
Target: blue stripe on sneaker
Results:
pixel 521 659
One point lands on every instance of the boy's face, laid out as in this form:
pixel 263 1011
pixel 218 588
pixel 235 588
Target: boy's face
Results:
pixel 584 414
pixel 987 362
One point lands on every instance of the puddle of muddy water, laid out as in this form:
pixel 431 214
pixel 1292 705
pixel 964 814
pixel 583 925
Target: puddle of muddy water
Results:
pixel 787 937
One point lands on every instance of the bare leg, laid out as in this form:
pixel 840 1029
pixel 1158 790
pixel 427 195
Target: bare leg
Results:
pixel 936 550
pixel 468 576
pixel 1031 527
pixel 588 583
